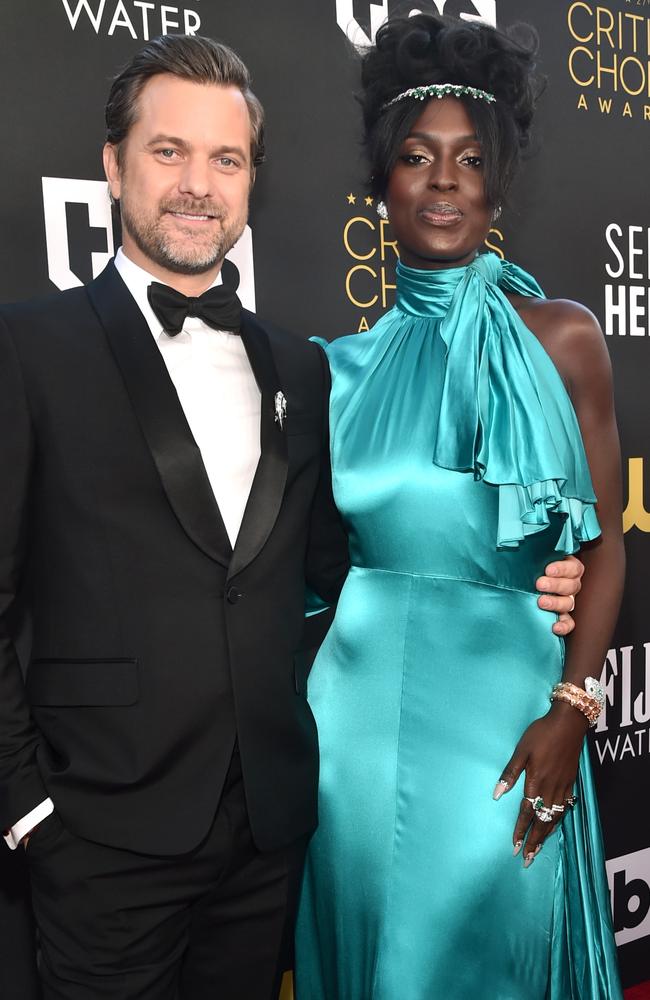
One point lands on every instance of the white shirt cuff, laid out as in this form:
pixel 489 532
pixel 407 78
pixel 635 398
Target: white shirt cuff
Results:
pixel 27 823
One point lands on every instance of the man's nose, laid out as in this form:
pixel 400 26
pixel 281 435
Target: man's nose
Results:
pixel 196 178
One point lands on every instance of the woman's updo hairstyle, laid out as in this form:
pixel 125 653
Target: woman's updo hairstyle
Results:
pixel 413 51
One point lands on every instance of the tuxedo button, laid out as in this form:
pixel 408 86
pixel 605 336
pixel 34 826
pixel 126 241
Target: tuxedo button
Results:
pixel 233 595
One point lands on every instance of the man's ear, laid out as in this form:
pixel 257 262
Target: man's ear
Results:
pixel 112 170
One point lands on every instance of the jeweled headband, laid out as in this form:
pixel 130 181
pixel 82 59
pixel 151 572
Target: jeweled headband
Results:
pixel 441 90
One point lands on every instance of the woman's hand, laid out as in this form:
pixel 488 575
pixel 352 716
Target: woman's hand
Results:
pixel 548 751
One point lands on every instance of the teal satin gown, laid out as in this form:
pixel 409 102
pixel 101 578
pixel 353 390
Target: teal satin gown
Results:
pixel 459 470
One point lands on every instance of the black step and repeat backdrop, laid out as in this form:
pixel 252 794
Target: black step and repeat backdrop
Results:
pixel 317 258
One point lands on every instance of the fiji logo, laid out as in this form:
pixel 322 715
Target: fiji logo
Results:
pixel 136 18
pixel 360 19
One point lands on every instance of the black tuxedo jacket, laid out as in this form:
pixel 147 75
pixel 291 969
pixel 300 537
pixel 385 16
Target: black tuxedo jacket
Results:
pixel 154 644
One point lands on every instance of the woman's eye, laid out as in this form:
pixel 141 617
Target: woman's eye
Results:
pixel 414 158
pixel 473 161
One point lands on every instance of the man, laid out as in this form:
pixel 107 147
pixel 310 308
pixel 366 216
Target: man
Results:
pixel 166 494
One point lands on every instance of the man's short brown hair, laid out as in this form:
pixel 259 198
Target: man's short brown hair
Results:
pixel 190 57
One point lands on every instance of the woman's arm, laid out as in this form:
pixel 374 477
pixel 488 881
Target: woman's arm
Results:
pixel 550 747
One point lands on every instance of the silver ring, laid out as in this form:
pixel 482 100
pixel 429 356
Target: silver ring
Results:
pixel 536 801
pixel 545 815
pixel 557 809
pixel 571 800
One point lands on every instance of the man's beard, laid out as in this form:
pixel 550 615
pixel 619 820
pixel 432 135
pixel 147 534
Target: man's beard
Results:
pixel 189 255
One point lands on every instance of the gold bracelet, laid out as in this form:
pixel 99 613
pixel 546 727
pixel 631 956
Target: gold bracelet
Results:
pixel 589 702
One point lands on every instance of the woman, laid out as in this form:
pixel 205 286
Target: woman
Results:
pixel 459 468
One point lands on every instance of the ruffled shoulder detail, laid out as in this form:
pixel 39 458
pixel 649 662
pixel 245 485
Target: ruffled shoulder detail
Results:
pixel 505 415
pixel 525 510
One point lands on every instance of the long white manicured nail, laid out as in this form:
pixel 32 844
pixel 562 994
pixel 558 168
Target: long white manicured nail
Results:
pixel 500 787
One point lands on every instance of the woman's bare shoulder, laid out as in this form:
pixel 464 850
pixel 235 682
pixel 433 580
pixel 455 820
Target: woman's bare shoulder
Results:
pixel 568 332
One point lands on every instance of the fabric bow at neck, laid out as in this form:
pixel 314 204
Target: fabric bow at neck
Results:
pixel 504 413
pixel 219 307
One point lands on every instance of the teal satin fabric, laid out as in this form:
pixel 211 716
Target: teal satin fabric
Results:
pixel 459 471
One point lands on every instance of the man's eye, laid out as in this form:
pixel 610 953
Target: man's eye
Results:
pixel 167 154
pixel 227 161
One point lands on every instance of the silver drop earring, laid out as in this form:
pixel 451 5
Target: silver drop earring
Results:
pixel 382 211
pixel 496 215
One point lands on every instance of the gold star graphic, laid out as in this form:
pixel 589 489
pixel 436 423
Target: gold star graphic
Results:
pixel 352 200
pixel 368 201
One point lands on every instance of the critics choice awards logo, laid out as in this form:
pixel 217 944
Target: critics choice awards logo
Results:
pixel 609 57
pixel 370 257
pixel 80 240
pixel 141 19
pixel 360 21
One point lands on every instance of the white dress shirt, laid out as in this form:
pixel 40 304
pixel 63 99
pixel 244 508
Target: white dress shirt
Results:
pixel 222 404
pixel 219 395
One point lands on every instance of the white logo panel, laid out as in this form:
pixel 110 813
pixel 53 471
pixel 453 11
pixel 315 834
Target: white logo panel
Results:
pixel 629 885
pixel 58 192
pixel 379 11
pixel 242 257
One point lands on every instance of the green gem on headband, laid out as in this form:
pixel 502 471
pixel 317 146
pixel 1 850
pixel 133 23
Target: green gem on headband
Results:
pixel 441 90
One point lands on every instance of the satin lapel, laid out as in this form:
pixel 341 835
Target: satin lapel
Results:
pixel 267 490
pixel 160 415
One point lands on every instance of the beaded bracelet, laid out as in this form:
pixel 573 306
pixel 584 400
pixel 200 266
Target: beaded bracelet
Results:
pixel 590 701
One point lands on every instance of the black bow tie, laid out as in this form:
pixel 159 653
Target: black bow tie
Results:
pixel 219 307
